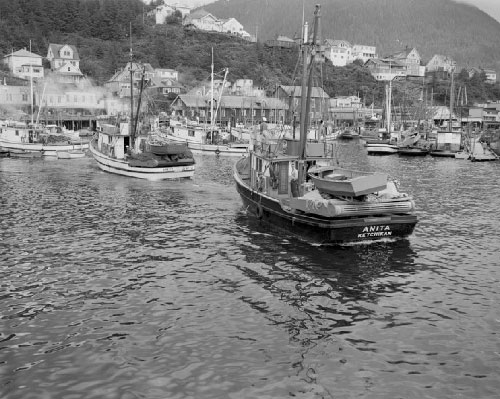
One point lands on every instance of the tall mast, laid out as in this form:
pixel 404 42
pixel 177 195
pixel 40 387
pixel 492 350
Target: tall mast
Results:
pixel 308 57
pixel 131 122
pixel 31 85
pixel 452 99
pixel 212 92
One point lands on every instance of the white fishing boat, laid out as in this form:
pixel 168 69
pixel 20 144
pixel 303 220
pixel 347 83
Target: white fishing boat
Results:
pixel 20 136
pixel 128 151
pixel 207 138
pixel 204 139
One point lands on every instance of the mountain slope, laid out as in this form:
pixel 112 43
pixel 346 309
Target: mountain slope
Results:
pixel 458 30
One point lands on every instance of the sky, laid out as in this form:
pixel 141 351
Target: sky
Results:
pixel 491 7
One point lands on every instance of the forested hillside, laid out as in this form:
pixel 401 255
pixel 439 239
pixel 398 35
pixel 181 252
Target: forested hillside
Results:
pixel 100 29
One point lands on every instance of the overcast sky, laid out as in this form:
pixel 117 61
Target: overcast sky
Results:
pixel 491 7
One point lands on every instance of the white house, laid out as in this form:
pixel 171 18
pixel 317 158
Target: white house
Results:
pixel 65 62
pixel 203 20
pixel 24 64
pixel 339 52
pixel 363 53
pixel 233 27
pixel 163 11
pixel 165 73
pixel 440 63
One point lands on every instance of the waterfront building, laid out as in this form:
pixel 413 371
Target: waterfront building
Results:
pixel 230 110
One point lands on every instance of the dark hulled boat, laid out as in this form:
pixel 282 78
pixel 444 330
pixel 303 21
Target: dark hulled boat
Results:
pixel 274 185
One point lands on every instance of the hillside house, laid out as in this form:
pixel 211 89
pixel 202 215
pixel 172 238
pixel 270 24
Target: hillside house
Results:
pixel 346 102
pixel 166 73
pixel 24 64
pixel 440 63
pixel 411 59
pixel 163 86
pixel 491 75
pixel 64 63
pixel 281 41
pixel 339 52
pixel 163 11
pixel 363 53
pixel 386 69
pixel 119 83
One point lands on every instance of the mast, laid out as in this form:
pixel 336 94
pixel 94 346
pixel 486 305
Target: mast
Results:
pixel 131 122
pixel 452 99
pixel 31 85
pixel 212 93
pixel 307 75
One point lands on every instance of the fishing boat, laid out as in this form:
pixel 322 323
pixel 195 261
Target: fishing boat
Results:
pixel 27 138
pixel 449 141
pixel 413 145
pixel 207 138
pixel 128 151
pixel 204 139
pixel 292 185
pixel 387 144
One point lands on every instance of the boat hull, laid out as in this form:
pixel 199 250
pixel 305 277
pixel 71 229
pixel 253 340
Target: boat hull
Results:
pixel 223 149
pixel 324 230
pixel 46 149
pixel 443 153
pixel 121 167
pixel 381 149
pixel 413 152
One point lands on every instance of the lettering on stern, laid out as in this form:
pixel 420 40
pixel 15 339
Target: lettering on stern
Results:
pixel 375 231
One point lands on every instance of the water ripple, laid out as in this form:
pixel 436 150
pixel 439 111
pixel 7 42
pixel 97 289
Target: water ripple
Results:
pixel 111 287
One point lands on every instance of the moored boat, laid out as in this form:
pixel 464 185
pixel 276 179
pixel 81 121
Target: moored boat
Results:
pixel 21 137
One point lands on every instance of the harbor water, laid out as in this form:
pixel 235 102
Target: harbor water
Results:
pixel 120 288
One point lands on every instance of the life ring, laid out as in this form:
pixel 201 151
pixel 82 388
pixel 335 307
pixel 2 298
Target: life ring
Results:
pixel 259 212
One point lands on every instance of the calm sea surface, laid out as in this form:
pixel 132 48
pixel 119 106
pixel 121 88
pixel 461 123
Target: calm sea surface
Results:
pixel 120 288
